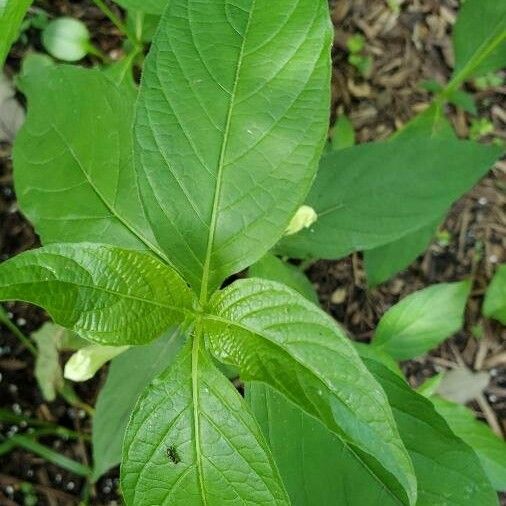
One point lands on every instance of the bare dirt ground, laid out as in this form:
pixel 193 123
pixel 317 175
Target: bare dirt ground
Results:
pixel 406 48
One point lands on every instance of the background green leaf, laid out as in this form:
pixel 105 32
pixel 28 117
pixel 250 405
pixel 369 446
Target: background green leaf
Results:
pixel 224 157
pixel 75 179
pixel 193 441
pixel 385 261
pixel 479 39
pixel 12 13
pixel 343 135
pixel 490 449
pixel 318 468
pixel 129 374
pixel 494 305
pixel 149 6
pixel 105 294
pixel 273 268
pixel 275 336
pixel 369 195
pixel 423 320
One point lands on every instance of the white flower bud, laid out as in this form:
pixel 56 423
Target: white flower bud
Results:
pixel 304 218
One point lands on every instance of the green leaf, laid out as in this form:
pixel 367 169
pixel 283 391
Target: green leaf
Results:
pixel 129 374
pixel 429 123
pixel 74 181
pixel 317 468
pixel 422 320
pixel 445 467
pixel 344 134
pixel 274 335
pixel 105 294
pixel 373 194
pixel 479 39
pixel 12 13
pixel 490 449
pixel 193 441
pixel 463 100
pixel 148 6
pixel 47 362
pixel 142 24
pixel 273 268
pixel 385 261
pixel 366 351
pixel 226 157
pixel 495 298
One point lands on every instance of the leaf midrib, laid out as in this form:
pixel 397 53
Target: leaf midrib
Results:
pixel 219 176
pixel 152 302
pixel 196 409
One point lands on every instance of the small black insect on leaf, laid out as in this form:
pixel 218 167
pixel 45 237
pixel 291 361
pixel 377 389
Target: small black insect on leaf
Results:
pixel 173 455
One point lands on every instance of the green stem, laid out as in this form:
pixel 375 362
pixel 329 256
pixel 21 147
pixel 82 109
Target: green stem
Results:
pixel 117 22
pixel 54 457
pixel 4 318
pixel 474 62
pixel 96 52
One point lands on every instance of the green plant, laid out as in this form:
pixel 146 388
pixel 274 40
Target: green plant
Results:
pixel 141 231
pixel 362 62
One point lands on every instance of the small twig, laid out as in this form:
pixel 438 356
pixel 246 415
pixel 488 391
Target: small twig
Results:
pixel 25 341
pixel 44 479
pixel 6 501
pixel 116 21
pixel 12 480
pixel 489 415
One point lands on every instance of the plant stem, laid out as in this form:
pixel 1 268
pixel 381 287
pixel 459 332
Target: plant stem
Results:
pixel 116 21
pixel 4 318
pixel 51 455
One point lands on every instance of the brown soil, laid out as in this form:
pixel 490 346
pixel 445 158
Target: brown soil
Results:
pixel 406 49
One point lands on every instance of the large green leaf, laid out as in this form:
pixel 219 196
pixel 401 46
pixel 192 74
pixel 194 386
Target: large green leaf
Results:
pixel 129 374
pixel 422 320
pixel 385 261
pixel 449 472
pixel 479 39
pixel 105 294
pixel 193 441
pixel 12 13
pixel 495 298
pixel 372 194
pixel 75 180
pixel 490 448
pixel 231 120
pixel 318 468
pixel 274 335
